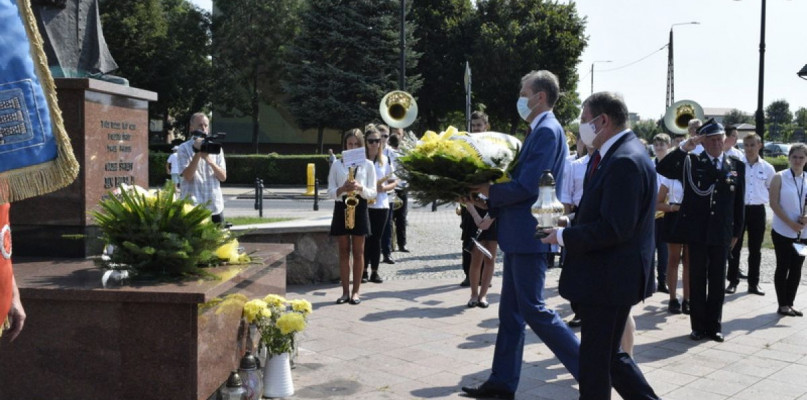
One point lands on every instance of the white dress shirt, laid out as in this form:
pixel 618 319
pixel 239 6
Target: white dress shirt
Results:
pixel 365 174
pixel 758 177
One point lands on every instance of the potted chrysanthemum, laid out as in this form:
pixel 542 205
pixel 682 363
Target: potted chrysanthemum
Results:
pixel 278 321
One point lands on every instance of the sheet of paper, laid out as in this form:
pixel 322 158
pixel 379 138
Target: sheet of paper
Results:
pixel 354 157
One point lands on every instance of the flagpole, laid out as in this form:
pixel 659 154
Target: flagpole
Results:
pixel 467 96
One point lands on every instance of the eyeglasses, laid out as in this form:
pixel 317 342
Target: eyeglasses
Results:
pixel 373 141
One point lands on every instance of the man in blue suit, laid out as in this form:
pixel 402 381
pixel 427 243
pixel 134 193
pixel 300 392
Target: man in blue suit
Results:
pixel 522 300
pixel 610 248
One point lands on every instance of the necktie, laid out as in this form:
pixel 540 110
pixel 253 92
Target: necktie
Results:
pixel 593 164
pixel 714 161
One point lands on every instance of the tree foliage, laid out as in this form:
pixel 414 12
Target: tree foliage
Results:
pixel 162 46
pixel 800 118
pixel 646 129
pixel 251 41
pixel 779 120
pixel 736 117
pixel 520 36
pixel 444 37
pixel 345 59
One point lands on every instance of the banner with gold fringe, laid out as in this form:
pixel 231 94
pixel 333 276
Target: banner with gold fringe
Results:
pixel 36 156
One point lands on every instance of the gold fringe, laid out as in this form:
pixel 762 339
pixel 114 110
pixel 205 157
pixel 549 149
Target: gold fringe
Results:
pixel 47 177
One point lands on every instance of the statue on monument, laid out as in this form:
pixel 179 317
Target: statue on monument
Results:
pixel 74 42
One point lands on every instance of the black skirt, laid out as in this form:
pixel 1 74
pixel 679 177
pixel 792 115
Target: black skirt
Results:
pixel 361 227
pixel 673 231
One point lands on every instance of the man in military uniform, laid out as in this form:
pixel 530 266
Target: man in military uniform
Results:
pixel 711 217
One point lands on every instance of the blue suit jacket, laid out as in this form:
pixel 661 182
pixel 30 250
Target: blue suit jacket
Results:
pixel 510 202
pixel 611 241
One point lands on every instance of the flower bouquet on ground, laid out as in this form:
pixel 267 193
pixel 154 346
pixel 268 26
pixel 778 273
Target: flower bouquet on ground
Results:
pixel 157 235
pixel 442 167
pixel 278 321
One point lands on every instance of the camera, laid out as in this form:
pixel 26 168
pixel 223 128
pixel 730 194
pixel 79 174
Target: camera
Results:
pixel 209 145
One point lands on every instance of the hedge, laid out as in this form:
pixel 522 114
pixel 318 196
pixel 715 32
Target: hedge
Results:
pixel 274 169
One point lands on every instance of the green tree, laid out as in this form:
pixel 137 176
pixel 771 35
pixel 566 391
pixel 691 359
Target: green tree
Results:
pixel 345 59
pixel 517 37
pixel 251 40
pixel 800 118
pixel 444 37
pixel 162 46
pixel 646 129
pixel 736 117
pixel 779 120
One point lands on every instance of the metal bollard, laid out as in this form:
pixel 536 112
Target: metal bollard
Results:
pixel 434 206
pixel 316 194
pixel 311 173
pixel 259 196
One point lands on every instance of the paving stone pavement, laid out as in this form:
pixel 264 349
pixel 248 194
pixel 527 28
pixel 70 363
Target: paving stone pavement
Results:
pixel 413 336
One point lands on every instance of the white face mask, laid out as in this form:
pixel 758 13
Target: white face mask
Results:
pixel 588 132
pixel 523 108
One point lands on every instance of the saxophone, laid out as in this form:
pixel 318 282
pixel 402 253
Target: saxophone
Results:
pixel 351 201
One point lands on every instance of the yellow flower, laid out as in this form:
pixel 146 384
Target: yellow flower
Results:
pixel 254 309
pixel 229 251
pixel 291 322
pixel 301 306
pixel 274 300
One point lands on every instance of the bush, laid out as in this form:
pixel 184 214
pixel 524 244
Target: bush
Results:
pixel 274 169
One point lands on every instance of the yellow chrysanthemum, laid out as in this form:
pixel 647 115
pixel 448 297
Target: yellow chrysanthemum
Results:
pixel 274 300
pixel 229 251
pixel 255 308
pixel 301 306
pixel 291 322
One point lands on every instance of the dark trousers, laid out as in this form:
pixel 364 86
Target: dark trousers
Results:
pixel 218 218
pixel 787 276
pixel 372 245
pixel 399 219
pixel 386 236
pixel 603 363
pixel 707 276
pixel 755 225
pixel 661 253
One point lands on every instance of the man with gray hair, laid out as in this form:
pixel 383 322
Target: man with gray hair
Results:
pixel 522 300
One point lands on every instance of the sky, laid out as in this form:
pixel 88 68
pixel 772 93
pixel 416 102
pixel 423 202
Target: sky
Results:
pixel 716 63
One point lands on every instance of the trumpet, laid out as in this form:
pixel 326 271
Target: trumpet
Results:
pixel 378 182
pixel 351 201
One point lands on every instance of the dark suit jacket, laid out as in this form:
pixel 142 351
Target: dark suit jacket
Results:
pixel 712 219
pixel 511 202
pixel 609 247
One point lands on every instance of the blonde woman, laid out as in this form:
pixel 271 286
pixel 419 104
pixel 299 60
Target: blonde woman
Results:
pixel 379 210
pixel 351 240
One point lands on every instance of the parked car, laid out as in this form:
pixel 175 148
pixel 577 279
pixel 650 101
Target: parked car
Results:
pixel 775 149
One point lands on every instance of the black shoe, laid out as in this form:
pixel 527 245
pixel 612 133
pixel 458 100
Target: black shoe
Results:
pixel 483 304
pixel 575 322
pixel 796 312
pixel 388 260
pixel 342 300
pixel 674 307
pixel 466 282
pixel 364 277
pixel 696 335
pixel 685 307
pixel 755 289
pixel 732 288
pixel 485 392
pixel 355 301
pixel 662 288
pixel 717 337
pixel 375 278
pixel 403 250
pixel 741 275
pixel 787 313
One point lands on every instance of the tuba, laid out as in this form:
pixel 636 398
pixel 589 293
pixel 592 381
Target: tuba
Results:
pixel 351 201
pixel 398 109
pixel 677 117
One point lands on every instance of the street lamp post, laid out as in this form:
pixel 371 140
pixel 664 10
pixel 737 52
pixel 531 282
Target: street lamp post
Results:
pixel 402 73
pixel 670 70
pixel 592 72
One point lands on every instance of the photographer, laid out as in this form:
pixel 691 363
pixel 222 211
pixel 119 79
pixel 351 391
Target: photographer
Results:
pixel 202 172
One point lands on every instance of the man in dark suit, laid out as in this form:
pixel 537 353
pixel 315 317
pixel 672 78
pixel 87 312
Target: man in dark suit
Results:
pixel 712 218
pixel 522 299
pixel 609 248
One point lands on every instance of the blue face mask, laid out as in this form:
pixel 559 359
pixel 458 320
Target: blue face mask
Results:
pixel 523 107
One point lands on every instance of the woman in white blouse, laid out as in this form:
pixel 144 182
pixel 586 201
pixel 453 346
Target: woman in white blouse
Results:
pixel 670 196
pixel 787 197
pixel 378 209
pixel 351 240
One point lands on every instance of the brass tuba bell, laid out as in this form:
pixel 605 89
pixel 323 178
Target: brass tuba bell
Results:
pixel 677 117
pixel 398 109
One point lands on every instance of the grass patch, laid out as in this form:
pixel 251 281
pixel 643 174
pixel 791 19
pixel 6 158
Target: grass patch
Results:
pixel 254 220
